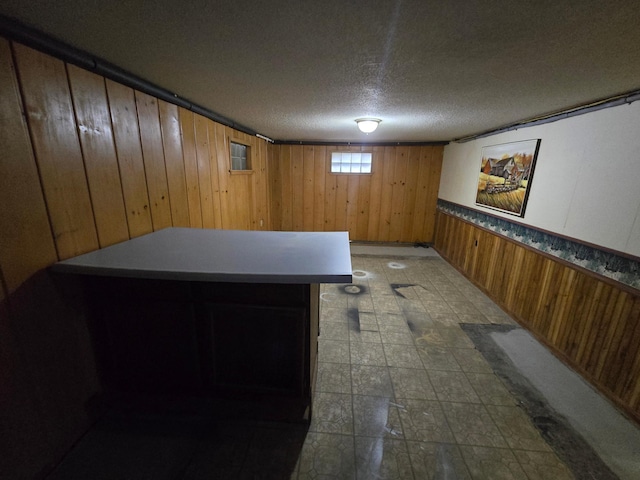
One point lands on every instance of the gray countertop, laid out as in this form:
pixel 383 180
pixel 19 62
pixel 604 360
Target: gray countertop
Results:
pixel 194 254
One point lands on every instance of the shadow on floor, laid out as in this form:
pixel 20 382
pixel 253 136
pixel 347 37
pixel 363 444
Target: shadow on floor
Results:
pixel 152 446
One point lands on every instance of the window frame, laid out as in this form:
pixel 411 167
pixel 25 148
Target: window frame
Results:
pixel 249 169
pixel 368 152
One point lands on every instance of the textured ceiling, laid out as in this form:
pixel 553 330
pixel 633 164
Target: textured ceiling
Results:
pixel 301 70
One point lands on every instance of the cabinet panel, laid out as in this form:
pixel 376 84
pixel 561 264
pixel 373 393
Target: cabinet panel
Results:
pixel 257 348
pixel 147 347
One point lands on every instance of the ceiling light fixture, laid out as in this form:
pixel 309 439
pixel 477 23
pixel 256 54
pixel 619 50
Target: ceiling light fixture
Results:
pixel 368 125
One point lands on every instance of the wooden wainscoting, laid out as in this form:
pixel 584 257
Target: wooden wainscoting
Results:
pixel 591 323
pixel 395 203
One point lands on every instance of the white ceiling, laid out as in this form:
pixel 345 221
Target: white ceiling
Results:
pixel 300 70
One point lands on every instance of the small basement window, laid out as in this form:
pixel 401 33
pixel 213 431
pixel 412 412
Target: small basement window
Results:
pixel 350 162
pixel 240 156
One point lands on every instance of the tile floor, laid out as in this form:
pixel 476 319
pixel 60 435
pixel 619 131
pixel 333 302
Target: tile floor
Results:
pixel 402 393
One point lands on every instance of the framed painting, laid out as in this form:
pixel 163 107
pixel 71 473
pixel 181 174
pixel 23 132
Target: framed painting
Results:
pixel 506 172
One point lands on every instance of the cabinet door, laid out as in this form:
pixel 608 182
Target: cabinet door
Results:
pixel 143 343
pixel 257 348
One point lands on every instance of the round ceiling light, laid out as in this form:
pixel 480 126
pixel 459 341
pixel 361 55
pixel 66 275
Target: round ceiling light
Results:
pixel 368 125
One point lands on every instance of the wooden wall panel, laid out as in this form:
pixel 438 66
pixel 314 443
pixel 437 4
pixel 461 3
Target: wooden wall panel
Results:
pixel 308 191
pixel 54 137
pixel 223 136
pixel 319 176
pixel 353 186
pixel 26 243
pixel 297 187
pixel 239 188
pixel 126 130
pixel 273 187
pixel 203 155
pixel 262 200
pixel 87 162
pixel 219 174
pixel 174 163
pixel 592 323
pixel 99 152
pixel 153 157
pixel 387 191
pixel 330 193
pixel 398 185
pixel 395 203
pixel 375 194
pixel 410 193
pixel 282 156
pixel 363 213
pixel 187 126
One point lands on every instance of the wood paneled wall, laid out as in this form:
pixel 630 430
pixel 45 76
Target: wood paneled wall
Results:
pixel 395 203
pixel 591 323
pixel 86 162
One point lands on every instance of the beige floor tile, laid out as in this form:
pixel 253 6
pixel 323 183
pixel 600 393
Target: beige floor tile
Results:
pixel 404 356
pixel 327 456
pixel 365 335
pixel 463 307
pixel 430 336
pixel 517 429
pixel 437 461
pixel 471 360
pixel 411 383
pixel 455 337
pixel 543 466
pixel 492 463
pixel 490 389
pixel 333 377
pixel 367 354
pixel 472 425
pixel 376 417
pixel 389 336
pixel 333 330
pixel 332 413
pixel 333 315
pixel 452 387
pixel 438 358
pixel 333 351
pixel 391 319
pixel 371 380
pixel 385 303
pixel 382 458
pixel 424 420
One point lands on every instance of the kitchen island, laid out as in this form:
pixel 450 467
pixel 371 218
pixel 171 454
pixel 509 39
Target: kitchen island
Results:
pixel 225 315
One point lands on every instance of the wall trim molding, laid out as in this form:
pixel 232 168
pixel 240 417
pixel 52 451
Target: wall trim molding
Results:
pixel 617 266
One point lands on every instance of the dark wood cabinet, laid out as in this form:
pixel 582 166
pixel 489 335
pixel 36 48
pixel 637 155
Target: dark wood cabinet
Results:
pixel 207 339
pixel 223 315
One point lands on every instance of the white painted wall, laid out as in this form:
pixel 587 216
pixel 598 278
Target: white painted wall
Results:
pixel 586 183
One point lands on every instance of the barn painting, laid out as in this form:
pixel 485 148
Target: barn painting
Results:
pixel 506 172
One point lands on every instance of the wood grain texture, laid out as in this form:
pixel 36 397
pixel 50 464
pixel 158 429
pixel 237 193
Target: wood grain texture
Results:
pixel 87 162
pixel 99 152
pixel 174 163
pixel 153 156
pixel 590 322
pixel 26 242
pixel 395 203
pixel 216 158
pixel 124 121
pixel 188 134
pixel 57 148
pixel 203 156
